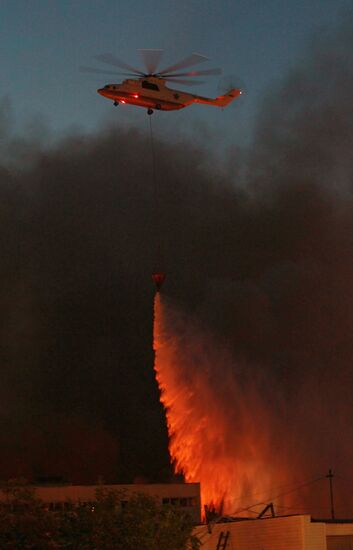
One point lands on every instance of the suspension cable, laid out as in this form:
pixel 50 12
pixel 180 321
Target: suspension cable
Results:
pixel 158 275
pixel 153 159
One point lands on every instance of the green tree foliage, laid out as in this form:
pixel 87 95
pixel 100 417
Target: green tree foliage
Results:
pixel 24 522
pixel 111 523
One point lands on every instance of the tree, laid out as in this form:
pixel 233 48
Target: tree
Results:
pixel 24 522
pixel 111 523
pixel 145 524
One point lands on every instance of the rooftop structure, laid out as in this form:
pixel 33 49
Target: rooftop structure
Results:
pixel 299 532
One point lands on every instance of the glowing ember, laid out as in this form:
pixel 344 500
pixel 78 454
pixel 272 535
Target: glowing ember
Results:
pixel 218 435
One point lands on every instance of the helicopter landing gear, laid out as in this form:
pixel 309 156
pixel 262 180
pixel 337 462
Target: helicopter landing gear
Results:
pixel 158 107
pixel 150 111
pixel 116 103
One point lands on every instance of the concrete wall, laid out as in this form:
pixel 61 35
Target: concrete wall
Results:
pixel 339 536
pixel 281 533
pixel 340 542
pixel 339 529
pixel 314 535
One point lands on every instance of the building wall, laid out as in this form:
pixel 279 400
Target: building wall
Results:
pixel 339 529
pixel 314 535
pixel 340 542
pixel 280 533
pixel 184 495
pixel 284 533
pixel 339 536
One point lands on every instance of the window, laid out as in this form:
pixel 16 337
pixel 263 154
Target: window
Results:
pixel 149 85
pixel 182 501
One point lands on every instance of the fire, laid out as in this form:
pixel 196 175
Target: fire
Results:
pixel 218 432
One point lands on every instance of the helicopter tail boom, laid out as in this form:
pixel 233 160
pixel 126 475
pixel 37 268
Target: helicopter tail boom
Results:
pixel 220 101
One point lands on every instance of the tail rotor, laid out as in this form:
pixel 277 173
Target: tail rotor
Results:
pixel 230 82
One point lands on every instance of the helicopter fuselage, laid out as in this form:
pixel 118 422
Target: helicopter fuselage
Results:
pixel 152 93
pixel 147 92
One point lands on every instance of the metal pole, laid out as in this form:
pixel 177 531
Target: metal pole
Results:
pixel 330 476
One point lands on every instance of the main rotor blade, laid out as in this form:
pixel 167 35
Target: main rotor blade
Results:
pixel 193 59
pixel 196 73
pixel 151 59
pixel 84 69
pixel 111 59
pixel 185 82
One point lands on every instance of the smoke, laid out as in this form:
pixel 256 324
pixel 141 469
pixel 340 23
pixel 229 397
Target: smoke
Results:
pixel 259 265
pixel 268 401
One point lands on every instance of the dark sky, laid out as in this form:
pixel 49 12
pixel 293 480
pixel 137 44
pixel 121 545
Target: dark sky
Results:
pixel 258 247
pixel 44 43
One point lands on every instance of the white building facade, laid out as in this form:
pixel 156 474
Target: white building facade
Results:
pixel 279 533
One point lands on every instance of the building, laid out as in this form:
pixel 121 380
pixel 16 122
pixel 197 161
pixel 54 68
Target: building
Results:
pixel 59 497
pixel 299 532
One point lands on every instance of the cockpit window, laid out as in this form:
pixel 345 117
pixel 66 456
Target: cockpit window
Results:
pixel 149 85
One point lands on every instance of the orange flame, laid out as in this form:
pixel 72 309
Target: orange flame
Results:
pixel 217 435
pixel 230 429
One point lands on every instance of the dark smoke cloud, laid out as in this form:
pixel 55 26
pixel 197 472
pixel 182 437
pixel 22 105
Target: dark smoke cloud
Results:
pixel 262 255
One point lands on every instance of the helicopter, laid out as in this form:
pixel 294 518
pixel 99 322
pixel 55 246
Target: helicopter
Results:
pixel 149 89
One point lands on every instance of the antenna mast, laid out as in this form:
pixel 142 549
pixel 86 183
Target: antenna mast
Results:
pixel 330 477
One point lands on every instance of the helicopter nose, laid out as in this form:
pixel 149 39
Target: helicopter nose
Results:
pixel 100 91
